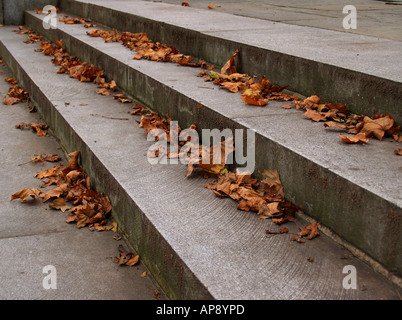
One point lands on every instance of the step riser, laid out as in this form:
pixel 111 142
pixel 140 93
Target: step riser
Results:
pixel 319 192
pixel 362 93
pixel 177 281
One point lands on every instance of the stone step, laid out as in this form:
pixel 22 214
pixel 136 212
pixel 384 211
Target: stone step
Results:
pixel 363 72
pixel 197 246
pixel 352 189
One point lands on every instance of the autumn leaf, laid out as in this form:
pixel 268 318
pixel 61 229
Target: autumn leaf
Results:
pixel 59 204
pixel 126 258
pixel 185 4
pixel 360 137
pixel 254 100
pixel 334 124
pixel 73 161
pixel 10 100
pixel 47 173
pixel 24 194
pixel 47 157
pixel 229 65
pixel 377 127
pixel 314 115
pixel 52 157
pixel 56 192
pixel 398 152
pixel 310 231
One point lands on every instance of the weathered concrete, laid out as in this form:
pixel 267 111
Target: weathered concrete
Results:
pixel 33 236
pixel 377 18
pixel 362 71
pixel 196 245
pixel 344 193
pixel 12 11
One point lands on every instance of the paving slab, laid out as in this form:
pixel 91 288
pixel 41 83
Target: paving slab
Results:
pixel 195 244
pixel 33 236
pixel 304 159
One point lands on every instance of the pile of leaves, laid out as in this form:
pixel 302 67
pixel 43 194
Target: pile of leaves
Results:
pixel 79 70
pixel 91 208
pixel 210 159
pixel 257 93
pixel 40 129
pixel 147 49
pixel 253 92
pixel 126 258
pixel 32 35
pixel 15 93
pixel 336 115
pixel 265 197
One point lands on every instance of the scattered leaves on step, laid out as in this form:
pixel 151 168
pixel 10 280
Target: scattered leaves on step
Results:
pixel 47 157
pixel 68 20
pixel 126 258
pixel 39 128
pixel 89 207
pixel 147 49
pixel 309 233
pixel 15 93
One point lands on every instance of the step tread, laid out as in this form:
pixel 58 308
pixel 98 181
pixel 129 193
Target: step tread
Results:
pixel 225 248
pixel 352 189
pixel 288 128
pixel 253 31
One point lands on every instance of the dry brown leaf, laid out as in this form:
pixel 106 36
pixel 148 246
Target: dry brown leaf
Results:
pixel 229 65
pixel 398 152
pixel 10 100
pixel 48 173
pixel 314 115
pixel 59 204
pixel 24 194
pixel 73 161
pixel 360 137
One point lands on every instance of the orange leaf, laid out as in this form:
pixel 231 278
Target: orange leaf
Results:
pixel 24 194
pixel 314 115
pixel 254 100
pixel 10 100
pixel 398 152
pixel 360 137
pixel 229 65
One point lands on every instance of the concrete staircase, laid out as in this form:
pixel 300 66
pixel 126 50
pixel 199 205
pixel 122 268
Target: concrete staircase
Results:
pixel 197 245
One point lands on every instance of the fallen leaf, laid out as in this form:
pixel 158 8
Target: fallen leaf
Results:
pixel 59 204
pixel 24 194
pixel 48 173
pixel 360 137
pixel 314 115
pixel 10 100
pixel 229 65
pixel 73 161
pixel 398 152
